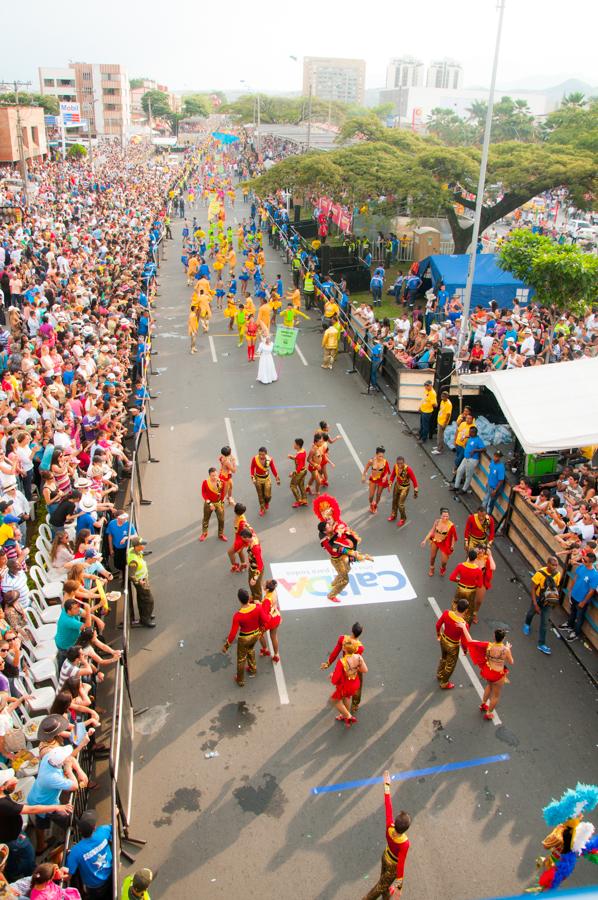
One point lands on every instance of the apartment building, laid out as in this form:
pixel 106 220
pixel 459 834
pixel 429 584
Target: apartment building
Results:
pixel 59 83
pixel 33 133
pixel 332 78
pixel 101 89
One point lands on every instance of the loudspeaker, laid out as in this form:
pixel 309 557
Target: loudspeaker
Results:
pixel 445 363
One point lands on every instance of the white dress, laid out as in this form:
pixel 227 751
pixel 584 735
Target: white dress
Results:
pixel 266 372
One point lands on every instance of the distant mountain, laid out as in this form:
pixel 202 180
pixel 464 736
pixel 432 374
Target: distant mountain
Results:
pixel 554 91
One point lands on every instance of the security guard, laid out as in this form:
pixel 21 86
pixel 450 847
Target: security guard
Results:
pixel 139 575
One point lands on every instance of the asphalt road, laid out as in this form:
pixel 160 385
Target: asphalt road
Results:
pixel 247 821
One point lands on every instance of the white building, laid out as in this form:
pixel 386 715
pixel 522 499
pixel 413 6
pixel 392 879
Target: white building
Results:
pixel 404 71
pixel 101 89
pixel 331 78
pixel 445 73
pixel 59 83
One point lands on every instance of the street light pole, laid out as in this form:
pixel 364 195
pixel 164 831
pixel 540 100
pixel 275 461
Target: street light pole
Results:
pixel 481 185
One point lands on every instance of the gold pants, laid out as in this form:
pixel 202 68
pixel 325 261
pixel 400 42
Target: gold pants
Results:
pixel 341 565
pixel 399 498
pixel 207 515
pixel 356 698
pixel 245 655
pixel 328 357
pixel 263 487
pixel 448 659
pixel 388 874
pixel 256 589
pixel 298 485
pixel 465 593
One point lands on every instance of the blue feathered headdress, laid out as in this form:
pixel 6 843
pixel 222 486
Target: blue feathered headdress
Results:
pixel 581 799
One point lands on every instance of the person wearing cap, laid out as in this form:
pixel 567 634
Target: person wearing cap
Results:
pixel 495 482
pixel 92 858
pixel 139 574
pixel 427 406
pixel 118 531
pixel 471 458
pixel 135 886
pixel 445 411
pixel 58 771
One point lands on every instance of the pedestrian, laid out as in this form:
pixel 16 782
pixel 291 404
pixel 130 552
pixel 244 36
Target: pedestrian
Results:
pixel 469 578
pixel 356 631
pixel 346 678
pixel 452 633
pixel 545 596
pixel 392 866
pixel 583 588
pixel 495 482
pixel 272 618
pixel 379 477
pixel 299 457
pixel 248 621
pixel 401 478
pixel 492 658
pixel 261 466
pixel 117 532
pixel 45 883
pixel 442 538
pixel 91 857
pixel 376 361
pixel 212 491
pixel 135 886
pixel 469 463
pixel 426 410
pixel 445 411
pixel 376 288
pixel 139 574
pixel 330 340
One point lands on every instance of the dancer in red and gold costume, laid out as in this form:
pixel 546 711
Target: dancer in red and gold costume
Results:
pixel 379 477
pixel 249 622
pixel 401 477
pixel 212 491
pixel 492 658
pixel 442 538
pixel 261 467
pixel 238 548
pixel 356 631
pixel 327 441
pixel 272 619
pixel 485 562
pixel 346 678
pixel 479 529
pixel 299 456
pixel 314 463
pixel 397 847
pixel 339 541
pixel 228 467
pixel 451 629
pixel 469 578
pixel 256 563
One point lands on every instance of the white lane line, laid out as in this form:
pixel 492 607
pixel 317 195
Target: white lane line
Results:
pixel 231 439
pixel 467 666
pixel 212 349
pixel 301 356
pixel 350 447
pixel 278 674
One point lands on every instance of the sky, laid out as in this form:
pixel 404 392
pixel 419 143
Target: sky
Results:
pixel 189 45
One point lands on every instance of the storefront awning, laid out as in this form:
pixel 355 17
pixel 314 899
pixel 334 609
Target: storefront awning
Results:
pixel 551 407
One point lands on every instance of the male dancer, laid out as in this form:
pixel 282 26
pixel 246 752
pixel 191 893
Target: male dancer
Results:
pixel 238 548
pixel 356 631
pixel 248 621
pixel 341 550
pixel 468 577
pixel 228 467
pixel 397 848
pixel 212 491
pixel 479 529
pixel 401 477
pixel 452 632
pixel 298 476
pixel 256 563
pixel 261 466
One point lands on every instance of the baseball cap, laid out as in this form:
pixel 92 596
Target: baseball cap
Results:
pixel 142 879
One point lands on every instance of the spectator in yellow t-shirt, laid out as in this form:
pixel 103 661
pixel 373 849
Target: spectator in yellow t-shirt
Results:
pixel 464 422
pixel 426 411
pixel 445 411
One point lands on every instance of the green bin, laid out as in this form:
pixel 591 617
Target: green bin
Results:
pixel 537 464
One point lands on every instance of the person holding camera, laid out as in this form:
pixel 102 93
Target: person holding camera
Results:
pixel 545 596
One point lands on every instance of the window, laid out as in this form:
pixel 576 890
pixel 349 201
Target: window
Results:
pixel 35 134
pixel 48 82
pixel 109 92
pixel 66 82
pixel 107 76
pixel 109 106
pixel 86 76
pixel 25 136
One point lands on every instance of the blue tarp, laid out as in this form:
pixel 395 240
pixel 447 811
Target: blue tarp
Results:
pixel 224 138
pixel 490 282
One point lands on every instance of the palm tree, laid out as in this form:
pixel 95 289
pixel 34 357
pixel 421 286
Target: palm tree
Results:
pixel 477 112
pixel 577 99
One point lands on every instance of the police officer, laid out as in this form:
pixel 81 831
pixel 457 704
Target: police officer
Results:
pixel 139 575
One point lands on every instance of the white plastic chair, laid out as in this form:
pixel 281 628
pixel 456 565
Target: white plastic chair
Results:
pixel 42 544
pixel 45 532
pixel 42 698
pixel 39 631
pixel 41 670
pixel 29 723
pixel 48 613
pixel 42 560
pixel 38 576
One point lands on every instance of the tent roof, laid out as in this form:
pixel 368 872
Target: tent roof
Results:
pixel 453 270
pixel 550 407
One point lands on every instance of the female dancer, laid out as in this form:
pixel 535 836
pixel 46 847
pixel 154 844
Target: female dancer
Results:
pixel 485 562
pixel 441 537
pixel 273 619
pixel 328 440
pixel 228 467
pixel 379 477
pixel 237 549
pixel 347 681
pixel 491 657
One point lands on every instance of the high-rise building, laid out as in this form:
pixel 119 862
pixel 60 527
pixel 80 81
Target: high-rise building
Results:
pixel 334 79
pixel 445 73
pixel 405 71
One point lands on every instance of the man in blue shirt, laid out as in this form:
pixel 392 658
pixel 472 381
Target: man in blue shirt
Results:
pixel 118 531
pixel 496 481
pixel 583 588
pixel 377 354
pixel 91 857
pixel 58 771
pixel 471 458
pixel 376 287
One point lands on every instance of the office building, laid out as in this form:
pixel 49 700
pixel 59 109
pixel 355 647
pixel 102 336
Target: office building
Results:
pixel 334 79
pixel 102 90
pixel 59 83
pixel 445 73
pixel 33 133
pixel 403 72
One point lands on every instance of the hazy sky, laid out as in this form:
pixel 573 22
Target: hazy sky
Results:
pixel 193 44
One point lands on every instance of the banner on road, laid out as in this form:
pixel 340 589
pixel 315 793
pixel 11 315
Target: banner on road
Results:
pixel 305 585
pixel 286 338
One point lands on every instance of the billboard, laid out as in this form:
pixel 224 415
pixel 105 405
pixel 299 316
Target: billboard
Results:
pixel 70 113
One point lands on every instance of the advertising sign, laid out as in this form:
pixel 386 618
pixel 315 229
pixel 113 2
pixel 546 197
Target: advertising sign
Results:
pixel 70 113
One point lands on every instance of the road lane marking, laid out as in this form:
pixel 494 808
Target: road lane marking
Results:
pixel 212 349
pixel 350 447
pixel 231 439
pixel 278 675
pixel 301 356
pixel 468 667
pixel 413 773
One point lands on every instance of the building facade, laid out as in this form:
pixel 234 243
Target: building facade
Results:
pixel 445 73
pixel 403 72
pixel 102 90
pixel 59 83
pixel 334 79
pixel 30 119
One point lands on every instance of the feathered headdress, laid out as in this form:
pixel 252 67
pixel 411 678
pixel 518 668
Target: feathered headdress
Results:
pixel 574 802
pixel 326 506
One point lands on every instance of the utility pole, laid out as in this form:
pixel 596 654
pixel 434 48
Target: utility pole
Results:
pixel 22 163
pixel 309 115
pixel 90 144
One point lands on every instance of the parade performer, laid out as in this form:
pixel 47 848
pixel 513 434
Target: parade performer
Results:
pixel 261 467
pixel 341 551
pixel 193 327
pixel 441 537
pixel 256 563
pixel 212 491
pixel 485 562
pixel 252 329
pixel 346 679
pixel 469 578
pixel 240 320
pixel 327 509
pixel 379 477
pixel 238 548
pixel 479 529
pixel 249 622
pixel 397 847
pixel 327 440
pixel 272 619
pixel 401 477
pixel 228 467
pixel 491 658
pixel 356 631
pixel 570 837
pixel 314 463
pixel 203 301
pixel 451 629
pixel 230 312
pixel 298 476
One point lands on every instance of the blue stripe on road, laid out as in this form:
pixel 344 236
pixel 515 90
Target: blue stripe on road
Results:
pixel 254 408
pixel 412 773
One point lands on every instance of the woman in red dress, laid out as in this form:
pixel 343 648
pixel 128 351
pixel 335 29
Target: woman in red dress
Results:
pixel 441 537
pixel 379 477
pixel 273 619
pixel 346 680
pixel 491 657
pixel 485 562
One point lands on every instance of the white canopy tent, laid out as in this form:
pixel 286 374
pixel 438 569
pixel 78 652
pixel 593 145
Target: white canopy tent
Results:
pixel 552 407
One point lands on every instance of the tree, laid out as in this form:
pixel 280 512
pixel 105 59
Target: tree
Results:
pixel 577 100
pixel 196 105
pixel 76 151
pixel 160 105
pixel 450 128
pixel 136 83
pixel 48 103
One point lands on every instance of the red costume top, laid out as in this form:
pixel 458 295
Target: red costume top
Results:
pixel 403 476
pixel 271 611
pixel 380 475
pixel 468 575
pixel 397 845
pixel 339 646
pixel 450 624
pixel 247 620
pixel 300 460
pixel 444 540
pixel 346 679
pixel 480 533
pixel 210 493
pixel 480 651
pixel 263 471
pixel 337 545
pixel 251 329
pixel 256 563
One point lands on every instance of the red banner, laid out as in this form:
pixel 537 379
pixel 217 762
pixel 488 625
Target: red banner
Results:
pixel 336 211
pixel 345 221
pixel 325 203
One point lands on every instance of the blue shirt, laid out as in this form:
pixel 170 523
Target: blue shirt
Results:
pixel 87 520
pixel 585 580
pixel 496 474
pixel 92 857
pixel 67 631
pixel 49 784
pixel 474 447
pixel 120 533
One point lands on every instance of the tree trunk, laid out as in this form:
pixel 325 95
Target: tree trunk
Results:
pixel 490 214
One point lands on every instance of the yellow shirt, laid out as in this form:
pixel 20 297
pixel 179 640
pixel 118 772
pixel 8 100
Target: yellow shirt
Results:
pixel 445 411
pixel 331 309
pixel 295 298
pixel 264 314
pixel 463 432
pixel 330 338
pixel 429 401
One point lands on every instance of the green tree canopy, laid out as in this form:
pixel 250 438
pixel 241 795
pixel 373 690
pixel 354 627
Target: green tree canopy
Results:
pixel 159 104
pixel 450 128
pixel 48 103
pixel 196 105
pixel 76 151
pixel 136 83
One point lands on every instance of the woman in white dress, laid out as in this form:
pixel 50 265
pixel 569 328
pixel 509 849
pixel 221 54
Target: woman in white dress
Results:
pixel 266 372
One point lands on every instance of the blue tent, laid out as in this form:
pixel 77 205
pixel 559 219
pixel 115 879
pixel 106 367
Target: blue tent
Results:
pixel 225 138
pixel 489 283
